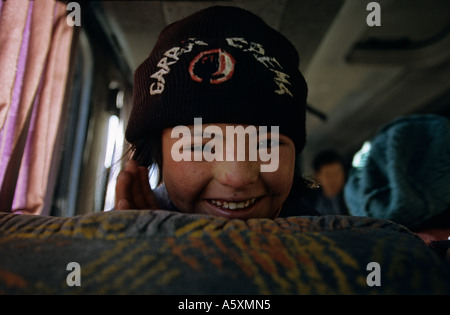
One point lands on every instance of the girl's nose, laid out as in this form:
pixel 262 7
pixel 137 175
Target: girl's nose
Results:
pixel 237 174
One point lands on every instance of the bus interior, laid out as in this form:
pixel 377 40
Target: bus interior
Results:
pixel 366 64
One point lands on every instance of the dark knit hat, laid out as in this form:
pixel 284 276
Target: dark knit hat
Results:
pixel 225 65
pixel 405 176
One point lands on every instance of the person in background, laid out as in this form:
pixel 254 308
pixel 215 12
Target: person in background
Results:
pixel 330 174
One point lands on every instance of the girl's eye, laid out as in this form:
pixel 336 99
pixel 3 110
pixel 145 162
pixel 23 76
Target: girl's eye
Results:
pixel 200 148
pixel 196 148
pixel 268 143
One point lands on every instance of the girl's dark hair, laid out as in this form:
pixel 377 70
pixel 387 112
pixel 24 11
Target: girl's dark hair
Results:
pixel 148 152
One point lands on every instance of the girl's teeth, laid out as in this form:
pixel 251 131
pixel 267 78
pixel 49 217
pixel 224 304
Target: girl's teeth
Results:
pixel 234 205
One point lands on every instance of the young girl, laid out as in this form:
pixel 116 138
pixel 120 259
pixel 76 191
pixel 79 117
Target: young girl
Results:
pixel 227 69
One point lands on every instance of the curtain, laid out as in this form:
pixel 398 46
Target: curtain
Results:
pixel 35 49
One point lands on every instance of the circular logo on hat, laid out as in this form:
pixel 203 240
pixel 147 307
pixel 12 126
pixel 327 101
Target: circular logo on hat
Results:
pixel 214 66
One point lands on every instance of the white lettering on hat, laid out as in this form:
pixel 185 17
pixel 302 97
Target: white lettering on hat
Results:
pixel 239 42
pixel 271 63
pixel 280 79
pixel 225 64
pixel 171 56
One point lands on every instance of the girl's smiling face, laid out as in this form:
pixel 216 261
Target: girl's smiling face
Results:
pixel 228 188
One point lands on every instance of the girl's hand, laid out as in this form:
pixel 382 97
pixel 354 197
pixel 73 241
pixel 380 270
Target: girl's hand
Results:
pixel 133 189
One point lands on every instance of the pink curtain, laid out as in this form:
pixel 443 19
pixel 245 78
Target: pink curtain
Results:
pixel 35 47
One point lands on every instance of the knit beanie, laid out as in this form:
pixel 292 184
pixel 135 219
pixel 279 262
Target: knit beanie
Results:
pixel 405 176
pixel 225 65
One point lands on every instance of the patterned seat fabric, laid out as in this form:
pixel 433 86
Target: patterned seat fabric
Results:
pixel 162 252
